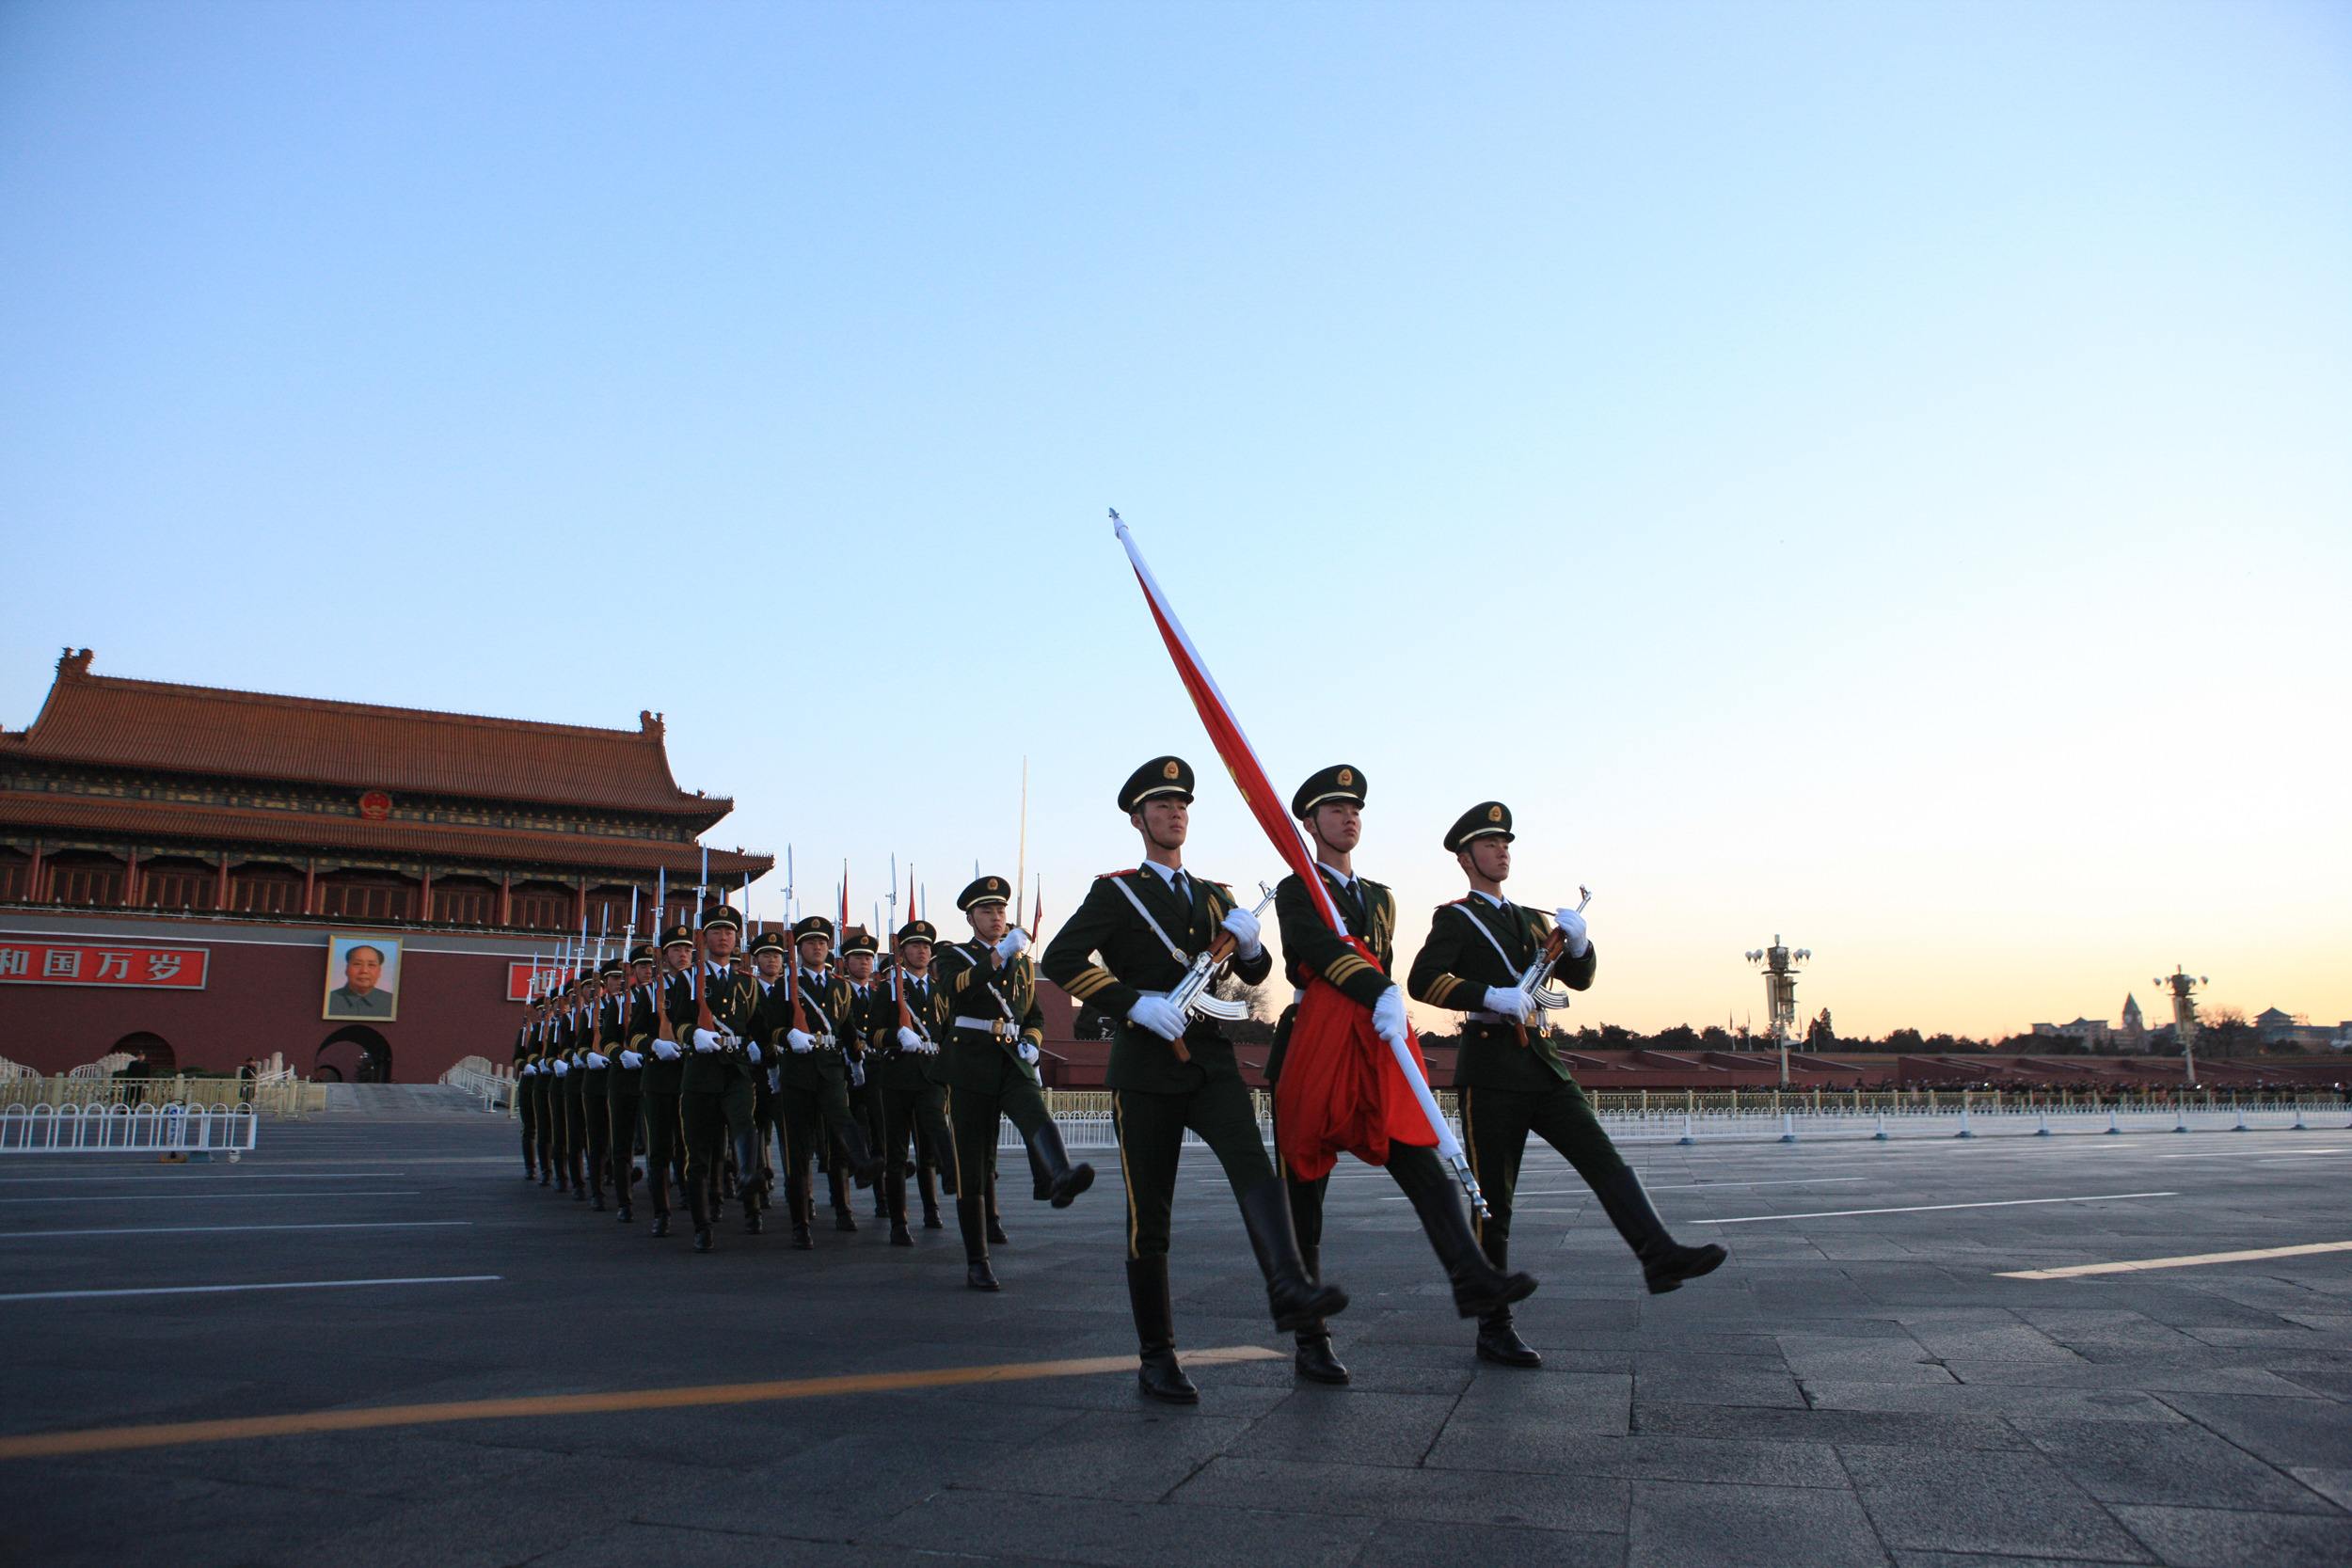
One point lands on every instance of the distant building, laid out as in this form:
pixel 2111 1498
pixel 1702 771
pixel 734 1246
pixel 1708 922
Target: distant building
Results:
pixel 2133 1035
pixel 2276 1026
pixel 2087 1031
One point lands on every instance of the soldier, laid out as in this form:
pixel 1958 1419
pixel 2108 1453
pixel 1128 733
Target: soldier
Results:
pixel 666 1075
pixel 635 1023
pixel 854 996
pixel 903 1041
pixel 715 1091
pixel 768 953
pixel 804 1023
pixel 1510 1080
pixel 993 1028
pixel 578 1038
pixel 1331 807
pixel 1170 1072
pixel 526 1072
pixel 603 1038
pixel 544 1106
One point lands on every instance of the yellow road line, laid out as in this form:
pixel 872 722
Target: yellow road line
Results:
pixel 51 1445
pixel 2080 1270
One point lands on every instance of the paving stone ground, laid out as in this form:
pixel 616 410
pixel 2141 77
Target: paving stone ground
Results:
pixel 1858 1389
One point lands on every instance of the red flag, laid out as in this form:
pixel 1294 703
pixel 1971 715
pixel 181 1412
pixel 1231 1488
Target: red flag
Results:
pixel 1343 1086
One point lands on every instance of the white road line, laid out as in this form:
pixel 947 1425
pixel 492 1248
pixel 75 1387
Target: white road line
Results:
pixel 2079 1271
pixel 1687 1187
pixel 2250 1153
pixel 182 1173
pixel 221 1290
pixel 217 1230
pixel 143 1197
pixel 1926 1208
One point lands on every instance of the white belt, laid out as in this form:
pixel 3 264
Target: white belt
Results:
pixel 996 1028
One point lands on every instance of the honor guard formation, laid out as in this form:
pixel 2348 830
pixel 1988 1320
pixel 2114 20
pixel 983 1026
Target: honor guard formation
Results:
pixel 708 1063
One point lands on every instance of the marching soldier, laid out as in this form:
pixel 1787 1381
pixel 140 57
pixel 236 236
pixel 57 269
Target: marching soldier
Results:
pixel 579 1037
pixel 636 1014
pixel 665 1074
pixel 805 1022
pixel 770 951
pixel 546 1107
pixel 1170 1072
pixel 604 1021
pixel 1510 1080
pixel 1329 805
pixel 526 1087
pixel 855 994
pixel 715 1091
pixel 994 1029
pixel 903 1040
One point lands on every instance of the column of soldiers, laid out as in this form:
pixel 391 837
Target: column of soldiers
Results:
pixel 718 1068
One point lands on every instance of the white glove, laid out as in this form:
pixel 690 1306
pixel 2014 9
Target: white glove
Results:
pixel 802 1041
pixel 1388 1016
pixel 857 1073
pixel 1011 944
pixel 530 1070
pixel 1156 1013
pixel 705 1041
pixel 1510 1002
pixel 751 1051
pixel 1244 929
pixel 909 1040
pixel 631 1060
pixel 775 1080
pixel 563 1068
pixel 666 1050
pixel 597 1059
pixel 1572 927
pixel 1028 1054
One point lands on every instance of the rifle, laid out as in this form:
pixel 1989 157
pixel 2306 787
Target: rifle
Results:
pixel 1191 996
pixel 1536 980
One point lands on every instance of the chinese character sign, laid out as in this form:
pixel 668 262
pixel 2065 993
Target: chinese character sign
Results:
pixel 36 961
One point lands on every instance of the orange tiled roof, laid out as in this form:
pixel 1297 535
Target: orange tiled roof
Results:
pixel 307 832
pixel 107 721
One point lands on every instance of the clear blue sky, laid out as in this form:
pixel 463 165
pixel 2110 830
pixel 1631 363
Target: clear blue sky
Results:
pixel 1875 473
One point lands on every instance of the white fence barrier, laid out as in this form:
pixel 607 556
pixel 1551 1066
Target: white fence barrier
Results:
pixel 98 1129
pixel 1762 1124
pixel 476 1076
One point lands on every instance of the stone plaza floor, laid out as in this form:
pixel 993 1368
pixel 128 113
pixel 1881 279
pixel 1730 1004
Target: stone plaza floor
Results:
pixel 1862 1384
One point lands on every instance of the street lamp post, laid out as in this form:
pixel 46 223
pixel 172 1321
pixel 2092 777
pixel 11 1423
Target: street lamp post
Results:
pixel 1780 991
pixel 2183 987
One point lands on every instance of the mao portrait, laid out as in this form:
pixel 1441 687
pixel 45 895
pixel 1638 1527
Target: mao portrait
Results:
pixel 363 979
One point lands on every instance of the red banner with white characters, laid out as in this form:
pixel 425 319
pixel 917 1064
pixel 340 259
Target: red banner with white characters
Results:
pixel 39 961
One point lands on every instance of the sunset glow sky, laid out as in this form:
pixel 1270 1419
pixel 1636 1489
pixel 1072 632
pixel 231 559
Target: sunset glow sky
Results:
pixel 1874 474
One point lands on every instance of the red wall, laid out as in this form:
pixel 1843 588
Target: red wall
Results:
pixel 263 998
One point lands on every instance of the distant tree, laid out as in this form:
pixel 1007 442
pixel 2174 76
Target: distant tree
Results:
pixel 2226 1031
pixel 1616 1038
pixel 1680 1037
pixel 1821 1035
pixel 1714 1039
pixel 1908 1042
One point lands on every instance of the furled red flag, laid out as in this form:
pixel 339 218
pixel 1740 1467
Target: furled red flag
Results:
pixel 1344 1088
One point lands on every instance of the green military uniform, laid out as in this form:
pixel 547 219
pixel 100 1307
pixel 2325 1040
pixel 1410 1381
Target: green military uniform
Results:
pixel 913 1108
pixel 635 1023
pixel 853 1006
pixel 1313 953
pixel 1146 926
pixel 715 1092
pixel 664 1079
pixel 526 1049
pixel 1508 1089
pixel 813 1098
pixel 604 1021
pixel 990 1032
pixel 580 1036
pixel 760 1165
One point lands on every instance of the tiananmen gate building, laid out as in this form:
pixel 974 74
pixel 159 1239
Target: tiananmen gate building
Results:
pixel 203 874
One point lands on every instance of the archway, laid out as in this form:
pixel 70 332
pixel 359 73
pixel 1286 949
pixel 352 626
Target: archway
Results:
pixel 162 1062
pixel 353 1055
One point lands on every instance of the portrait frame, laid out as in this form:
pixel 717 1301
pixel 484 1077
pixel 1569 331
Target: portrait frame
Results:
pixel 337 1002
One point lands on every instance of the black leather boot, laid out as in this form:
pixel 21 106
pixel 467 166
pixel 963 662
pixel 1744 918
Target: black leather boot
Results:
pixel 927 1183
pixel 1665 1262
pixel 624 1216
pixel 977 1273
pixel 1498 1341
pixel 1055 1179
pixel 798 1197
pixel 1296 1300
pixel 702 1239
pixel 661 1222
pixel 894 1208
pixel 1314 1361
pixel 997 1236
pixel 1160 1375
pixel 1479 1286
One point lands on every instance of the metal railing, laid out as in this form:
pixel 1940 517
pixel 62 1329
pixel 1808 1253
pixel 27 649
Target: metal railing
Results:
pixel 117 1129
pixel 278 1094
